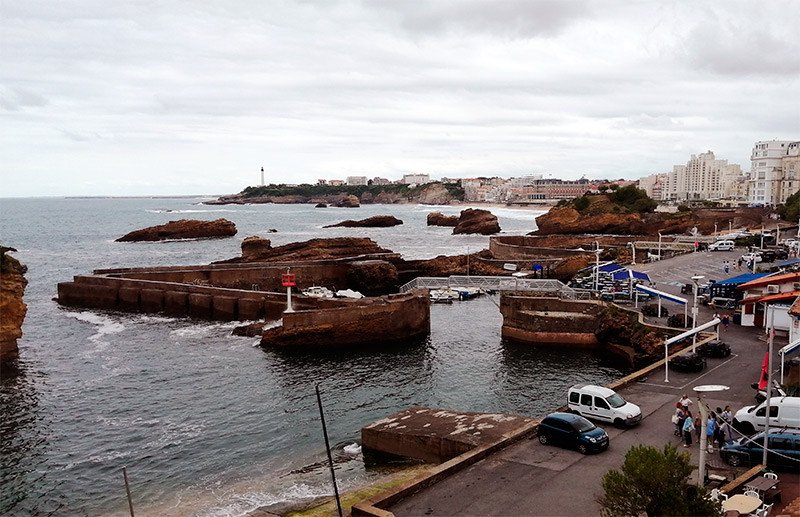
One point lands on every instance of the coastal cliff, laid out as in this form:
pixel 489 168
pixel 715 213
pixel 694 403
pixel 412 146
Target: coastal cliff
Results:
pixel 631 213
pixel 12 308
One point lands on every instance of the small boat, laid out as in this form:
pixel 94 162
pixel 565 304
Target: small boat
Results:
pixel 318 292
pixel 443 295
pixel 467 293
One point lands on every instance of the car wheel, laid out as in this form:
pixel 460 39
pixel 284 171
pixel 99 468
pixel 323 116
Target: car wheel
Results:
pixel 747 428
pixel 618 422
pixel 543 439
pixel 583 449
pixel 735 460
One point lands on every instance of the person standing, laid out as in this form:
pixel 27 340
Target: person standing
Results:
pixel 685 401
pixel 711 431
pixel 725 321
pixel 726 414
pixel 677 418
pixel 688 427
pixel 726 266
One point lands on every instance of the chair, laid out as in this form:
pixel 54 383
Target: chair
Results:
pixel 767 508
pixel 751 493
pixel 771 475
pixel 717 495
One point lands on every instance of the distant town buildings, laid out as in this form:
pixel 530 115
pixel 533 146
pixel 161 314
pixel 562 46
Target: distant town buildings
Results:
pixel 774 168
pixel 654 185
pixel 356 180
pixel 416 179
pixel 704 177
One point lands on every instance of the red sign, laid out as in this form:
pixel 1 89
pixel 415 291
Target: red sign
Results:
pixel 288 280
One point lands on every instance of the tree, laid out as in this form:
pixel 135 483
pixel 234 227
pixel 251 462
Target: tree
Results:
pixel 790 211
pixel 654 481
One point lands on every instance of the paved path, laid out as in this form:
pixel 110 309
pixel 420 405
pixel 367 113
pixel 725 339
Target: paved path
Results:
pixel 528 478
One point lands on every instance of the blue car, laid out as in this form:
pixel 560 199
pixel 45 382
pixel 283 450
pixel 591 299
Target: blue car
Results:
pixel 573 432
pixel 783 445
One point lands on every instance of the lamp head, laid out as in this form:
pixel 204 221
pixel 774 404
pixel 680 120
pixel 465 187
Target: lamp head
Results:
pixel 697 278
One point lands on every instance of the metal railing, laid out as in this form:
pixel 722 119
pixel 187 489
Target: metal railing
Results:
pixel 498 283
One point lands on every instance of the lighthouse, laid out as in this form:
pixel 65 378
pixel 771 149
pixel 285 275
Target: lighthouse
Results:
pixel 262 176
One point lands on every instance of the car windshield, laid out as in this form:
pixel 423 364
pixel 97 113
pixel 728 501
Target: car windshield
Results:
pixel 582 425
pixel 616 401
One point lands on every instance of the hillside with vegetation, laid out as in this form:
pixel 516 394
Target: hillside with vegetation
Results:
pixel 428 193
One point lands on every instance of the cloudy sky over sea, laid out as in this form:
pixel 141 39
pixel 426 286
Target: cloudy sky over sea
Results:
pixel 190 97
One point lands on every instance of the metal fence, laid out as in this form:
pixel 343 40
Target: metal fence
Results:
pixel 499 283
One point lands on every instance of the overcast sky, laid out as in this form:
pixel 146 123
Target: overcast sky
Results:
pixel 189 97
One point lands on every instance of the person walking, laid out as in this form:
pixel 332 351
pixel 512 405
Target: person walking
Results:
pixel 725 321
pixel 739 263
pixel 727 415
pixel 726 266
pixel 711 431
pixel 685 401
pixel 688 427
pixel 677 418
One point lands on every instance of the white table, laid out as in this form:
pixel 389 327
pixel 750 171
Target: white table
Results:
pixel 743 504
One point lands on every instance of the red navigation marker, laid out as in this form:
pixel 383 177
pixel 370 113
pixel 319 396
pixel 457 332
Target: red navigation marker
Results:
pixel 288 280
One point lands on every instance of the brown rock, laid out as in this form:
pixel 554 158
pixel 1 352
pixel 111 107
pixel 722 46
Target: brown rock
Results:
pixel 435 194
pixel 455 265
pixel 12 308
pixel 182 229
pixel 388 198
pixel 254 247
pixel 372 277
pixel 476 220
pixel 321 205
pixel 376 221
pixel 315 249
pixel 439 219
pixel 349 201
pixel 249 330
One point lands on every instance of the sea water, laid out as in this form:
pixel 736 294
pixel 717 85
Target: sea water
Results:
pixel 207 423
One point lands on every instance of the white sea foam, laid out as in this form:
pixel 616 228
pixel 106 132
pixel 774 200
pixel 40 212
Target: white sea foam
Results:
pixel 104 327
pixel 195 211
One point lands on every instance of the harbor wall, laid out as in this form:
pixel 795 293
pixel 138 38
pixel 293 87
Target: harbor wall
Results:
pixel 371 322
pixel 550 320
pixel 180 299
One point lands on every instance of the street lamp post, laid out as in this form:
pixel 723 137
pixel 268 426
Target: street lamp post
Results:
pixel 769 383
pixel 715 228
pixel 701 470
pixel 597 266
pixel 633 253
pixel 762 236
pixel 659 246
pixel 696 279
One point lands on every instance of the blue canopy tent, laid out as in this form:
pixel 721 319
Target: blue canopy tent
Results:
pixel 665 296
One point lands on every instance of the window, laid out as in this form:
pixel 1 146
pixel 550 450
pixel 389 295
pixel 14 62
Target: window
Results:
pixel 773 411
pixel 616 401
pixel 574 397
pixel 600 403
pixel 586 400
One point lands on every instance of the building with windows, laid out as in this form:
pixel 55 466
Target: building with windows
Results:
pixel 704 177
pixel 356 180
pixel 544 189
pixel 654 185
pixel 416 179
pixel 773 172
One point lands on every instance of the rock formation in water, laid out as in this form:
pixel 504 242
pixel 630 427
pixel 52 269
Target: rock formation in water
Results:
pixel 456 265
pixel 182 229
pixel 349 201
pixel 258 249
pixel 439 219
pixel 376 221
pixel 476 220
pixel 321 205
pixel 435 194
pixel 12 308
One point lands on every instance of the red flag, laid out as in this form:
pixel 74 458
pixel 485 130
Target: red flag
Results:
pixel 762 384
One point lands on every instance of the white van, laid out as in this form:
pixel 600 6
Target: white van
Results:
pixel 601 403
pixel 721 246
pixel 783 412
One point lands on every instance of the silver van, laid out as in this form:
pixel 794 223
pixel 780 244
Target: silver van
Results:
pixel 721 246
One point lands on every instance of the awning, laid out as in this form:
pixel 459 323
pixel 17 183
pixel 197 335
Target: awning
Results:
pixel 610 267
pixel 740 279
pixel 790 262
pixel 772 297
pixel 662 294
pixel 627 274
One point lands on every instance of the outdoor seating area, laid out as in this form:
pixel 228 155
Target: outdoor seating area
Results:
pixel 758 498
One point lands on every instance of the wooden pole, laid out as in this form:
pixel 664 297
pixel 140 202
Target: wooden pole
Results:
pixel 127 489
pixel 328 450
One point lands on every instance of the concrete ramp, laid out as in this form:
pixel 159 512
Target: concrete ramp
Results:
pixel 434 435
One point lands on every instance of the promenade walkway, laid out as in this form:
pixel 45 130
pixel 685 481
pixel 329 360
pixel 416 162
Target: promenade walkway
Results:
pixel 528 478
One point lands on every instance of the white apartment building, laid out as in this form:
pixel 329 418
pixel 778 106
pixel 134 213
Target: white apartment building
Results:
pixel 654 185
pixel 416 179
pixel 704 177
pixel 773 172
pixel 356 180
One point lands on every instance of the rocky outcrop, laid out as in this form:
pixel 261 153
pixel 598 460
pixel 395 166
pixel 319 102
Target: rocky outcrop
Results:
pixel 435 194
pixel 321 205
pixel 476 220
pixel 12 308
pixel 182 229
pixel 349 201
pixel 372 277
pixel 439 219
pixel 314 249
pixel 567 268
pixel 376 221
pixel 601 218
pixel 254 247
pixel 616 327
pixel 388 198
pixel 455 265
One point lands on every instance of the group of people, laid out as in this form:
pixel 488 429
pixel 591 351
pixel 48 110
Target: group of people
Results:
pixel 724 318
pixel 718 426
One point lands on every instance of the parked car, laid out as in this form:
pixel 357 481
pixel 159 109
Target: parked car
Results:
pixel 724 245
pixel 572 431
pixel 783 445
pixel 753 257
pixel 718 302
pixel 600 403
pixel 714 348
pixel 783 412
pixel 690 362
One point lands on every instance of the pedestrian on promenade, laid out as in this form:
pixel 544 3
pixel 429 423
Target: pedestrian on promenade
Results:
pixel 711 431
pixel 739 264
pixel 726 414
pixel 677 418
pixel 726 266
pixel 685 401
pixel 698 426
pixel 725 321
pixel 688 427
